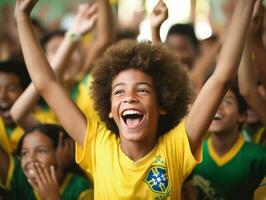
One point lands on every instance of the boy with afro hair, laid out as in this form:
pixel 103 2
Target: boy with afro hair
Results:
pixel 146 150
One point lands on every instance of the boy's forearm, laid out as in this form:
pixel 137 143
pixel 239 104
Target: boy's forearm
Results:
pixel 104 34
pixel 25 103
pixel 155 35
pixel 246 73
pixel 232 48
pixel 34 57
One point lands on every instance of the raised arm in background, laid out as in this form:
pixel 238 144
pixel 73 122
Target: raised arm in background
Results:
pixel 43 77
pixel 247 79
pixel 84 21
pixel 158 16
pixel 213 91
pixel 257 48
pixel 104 34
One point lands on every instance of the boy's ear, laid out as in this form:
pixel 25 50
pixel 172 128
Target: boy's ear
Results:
pixel 162 111
pixel 110 115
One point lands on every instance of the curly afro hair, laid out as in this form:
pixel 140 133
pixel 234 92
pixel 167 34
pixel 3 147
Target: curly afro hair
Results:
pixel 170 80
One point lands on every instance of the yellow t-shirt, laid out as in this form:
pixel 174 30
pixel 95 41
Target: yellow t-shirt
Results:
pixel 84 100
pixel 10 141
pixel 159 175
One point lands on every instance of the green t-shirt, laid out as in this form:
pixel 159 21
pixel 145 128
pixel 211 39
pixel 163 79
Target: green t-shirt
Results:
pixel 73 187
pixel 236 175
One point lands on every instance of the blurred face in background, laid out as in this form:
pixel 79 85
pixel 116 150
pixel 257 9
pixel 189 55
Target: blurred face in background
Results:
pixel 10 90
pixel 73 65
pixel 184 49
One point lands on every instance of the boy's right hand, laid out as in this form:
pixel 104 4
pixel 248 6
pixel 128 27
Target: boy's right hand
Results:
pixel 159 14
pixel 23 8
pixel 85 18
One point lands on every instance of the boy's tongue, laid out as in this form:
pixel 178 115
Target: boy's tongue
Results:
pixel 132 122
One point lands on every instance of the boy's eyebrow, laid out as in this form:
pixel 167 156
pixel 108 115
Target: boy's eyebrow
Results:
pixel 138 83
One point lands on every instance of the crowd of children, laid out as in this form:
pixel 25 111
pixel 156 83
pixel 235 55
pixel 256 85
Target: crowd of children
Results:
pixel 184 119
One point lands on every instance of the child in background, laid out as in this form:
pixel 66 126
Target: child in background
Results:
pixel 37 175
pixel 141 94
pixel 231 168
pixel 14 79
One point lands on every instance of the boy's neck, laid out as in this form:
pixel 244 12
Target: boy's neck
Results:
pixel 136 150
pixel 223 142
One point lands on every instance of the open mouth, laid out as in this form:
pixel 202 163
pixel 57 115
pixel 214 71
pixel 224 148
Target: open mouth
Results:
pixel 4 109
pixel 132 118
pixel 217 116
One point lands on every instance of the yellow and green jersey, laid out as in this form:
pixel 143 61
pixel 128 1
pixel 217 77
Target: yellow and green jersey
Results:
pixel 236 175
pixel 73 187
pixel 157 176
pixel 9 137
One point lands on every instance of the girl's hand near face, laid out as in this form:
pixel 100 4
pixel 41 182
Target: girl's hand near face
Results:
pixel 45 183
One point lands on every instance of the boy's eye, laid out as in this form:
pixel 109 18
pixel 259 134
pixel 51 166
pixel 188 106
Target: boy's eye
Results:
pixel 23 153
pixel 227 102
pixel 142 90
pixel 13 88
pixel 118 92
pixel 42 151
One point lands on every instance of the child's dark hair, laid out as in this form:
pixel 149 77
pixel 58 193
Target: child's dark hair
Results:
pixel 50 130
pixel 18 68
pixel 50 35
pixel 186 30
pixel 170 80
pixel 242 105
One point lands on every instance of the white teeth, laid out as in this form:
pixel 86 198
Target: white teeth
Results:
pixel 31 172
pixel 131 112
pixel 218 116
pixel 4 105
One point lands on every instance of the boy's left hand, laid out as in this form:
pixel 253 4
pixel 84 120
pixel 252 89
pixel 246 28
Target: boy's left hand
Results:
pixel 159 14
pixel 23 8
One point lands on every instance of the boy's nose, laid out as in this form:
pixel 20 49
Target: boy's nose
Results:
pixel 130 99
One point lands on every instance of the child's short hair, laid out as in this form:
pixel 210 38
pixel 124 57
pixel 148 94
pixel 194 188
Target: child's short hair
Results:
pixel 170 80
pixel 241 103
pixel 18 68
pixel 50 35
pixel 186 30
pixel 50 130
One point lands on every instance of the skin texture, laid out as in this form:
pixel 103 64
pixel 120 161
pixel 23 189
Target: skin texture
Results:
pixel 75 122
pixel 134 90
pixel 38 161
pixel 10 89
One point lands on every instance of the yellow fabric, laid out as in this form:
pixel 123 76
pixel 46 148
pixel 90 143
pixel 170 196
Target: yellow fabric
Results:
pixel 9 143
pixel 229 155
pixel 115 176
pixel 260 193
pixel 85 102
pixel 86 195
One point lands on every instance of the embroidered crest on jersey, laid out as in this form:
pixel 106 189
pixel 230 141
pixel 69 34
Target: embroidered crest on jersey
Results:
pixel 158 182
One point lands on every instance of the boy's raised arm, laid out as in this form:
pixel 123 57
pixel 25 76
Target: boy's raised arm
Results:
pixel 84 21
pixel 43 76
pixel 158 16
pixel 104 34
pixel 246 74
pixel 213 91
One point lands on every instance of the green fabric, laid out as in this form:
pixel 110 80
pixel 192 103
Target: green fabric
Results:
pixel 236 179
